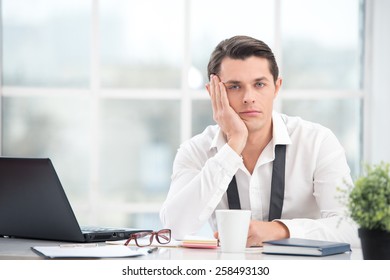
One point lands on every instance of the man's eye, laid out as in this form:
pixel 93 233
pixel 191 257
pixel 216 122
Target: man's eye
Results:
pixel 260 85
pixel 233 87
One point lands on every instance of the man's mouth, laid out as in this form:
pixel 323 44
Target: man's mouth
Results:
pixel 251 113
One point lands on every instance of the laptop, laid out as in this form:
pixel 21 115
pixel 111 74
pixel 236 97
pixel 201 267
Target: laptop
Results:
pixel 33 204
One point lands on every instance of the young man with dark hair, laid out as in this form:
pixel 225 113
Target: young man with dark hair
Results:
pixel 284 169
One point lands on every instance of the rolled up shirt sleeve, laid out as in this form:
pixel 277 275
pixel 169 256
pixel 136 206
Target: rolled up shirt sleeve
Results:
pixel 197 186
pixel 331 174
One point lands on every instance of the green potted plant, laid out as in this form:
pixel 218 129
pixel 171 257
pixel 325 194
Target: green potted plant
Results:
pixel 369 207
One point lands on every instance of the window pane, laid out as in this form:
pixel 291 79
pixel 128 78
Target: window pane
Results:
pixel 202 115
pixel 322 48
pixel 53 127
pixel 151 221
pixel 46 43
pixel 139 139
pixel 341 116
pixel 141 43
pixel 134 220
pixel 215 20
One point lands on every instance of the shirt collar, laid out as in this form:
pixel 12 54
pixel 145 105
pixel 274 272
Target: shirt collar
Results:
pixel 280 133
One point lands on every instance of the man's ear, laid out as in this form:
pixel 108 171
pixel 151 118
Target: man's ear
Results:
pixel 278 85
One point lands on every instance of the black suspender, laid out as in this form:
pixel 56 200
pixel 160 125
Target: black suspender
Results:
pixel 277 186
pixel 232 195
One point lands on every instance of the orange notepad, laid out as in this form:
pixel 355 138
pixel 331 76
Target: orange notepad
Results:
pixel 199 242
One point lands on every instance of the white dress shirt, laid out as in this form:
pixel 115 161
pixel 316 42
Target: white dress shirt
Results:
pixel 316 167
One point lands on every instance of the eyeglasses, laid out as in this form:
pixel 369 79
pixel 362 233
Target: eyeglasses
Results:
pixel 143 239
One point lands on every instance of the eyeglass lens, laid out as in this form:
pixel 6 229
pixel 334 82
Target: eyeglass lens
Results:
pixel 163 236
pixel 146 238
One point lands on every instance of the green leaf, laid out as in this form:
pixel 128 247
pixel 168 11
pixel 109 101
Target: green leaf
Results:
pixel 369 200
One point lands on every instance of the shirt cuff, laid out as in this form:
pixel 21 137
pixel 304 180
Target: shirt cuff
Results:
pixel 228 159
pixel 295 230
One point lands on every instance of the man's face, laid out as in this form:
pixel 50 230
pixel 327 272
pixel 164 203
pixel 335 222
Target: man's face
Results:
pixel 250 89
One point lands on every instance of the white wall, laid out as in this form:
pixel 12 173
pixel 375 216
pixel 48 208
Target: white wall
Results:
pixel 377 82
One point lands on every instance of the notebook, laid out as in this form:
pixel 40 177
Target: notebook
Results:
pixel 304 247
pixel 33 204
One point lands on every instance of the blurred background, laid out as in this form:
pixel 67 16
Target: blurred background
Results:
pixel 109 89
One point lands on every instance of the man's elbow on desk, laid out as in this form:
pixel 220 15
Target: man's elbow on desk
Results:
pixel 179 225
pixel 172 224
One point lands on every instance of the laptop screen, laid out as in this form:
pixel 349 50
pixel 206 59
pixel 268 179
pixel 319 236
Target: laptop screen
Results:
pixel 33 204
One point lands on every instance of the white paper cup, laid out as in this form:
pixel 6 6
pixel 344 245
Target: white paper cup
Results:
pixel 233 226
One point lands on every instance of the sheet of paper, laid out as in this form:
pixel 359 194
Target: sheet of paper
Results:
pixel 90 252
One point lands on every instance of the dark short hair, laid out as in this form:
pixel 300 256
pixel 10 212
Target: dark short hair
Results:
pixel 241 47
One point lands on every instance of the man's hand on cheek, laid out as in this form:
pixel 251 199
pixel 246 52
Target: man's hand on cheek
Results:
pixel 229 121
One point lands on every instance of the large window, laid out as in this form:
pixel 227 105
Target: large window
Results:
pixel 109 89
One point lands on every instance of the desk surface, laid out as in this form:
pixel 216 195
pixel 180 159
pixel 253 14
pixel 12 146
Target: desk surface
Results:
pixel 19 249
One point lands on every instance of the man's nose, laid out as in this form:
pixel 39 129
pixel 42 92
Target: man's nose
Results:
pixel 249 96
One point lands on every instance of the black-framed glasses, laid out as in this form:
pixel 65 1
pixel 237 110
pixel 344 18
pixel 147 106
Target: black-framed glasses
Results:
pixel 144 239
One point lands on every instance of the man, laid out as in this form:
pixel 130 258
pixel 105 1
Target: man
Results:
pixel 232 164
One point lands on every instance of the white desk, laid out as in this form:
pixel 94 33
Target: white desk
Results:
pixel 19 249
